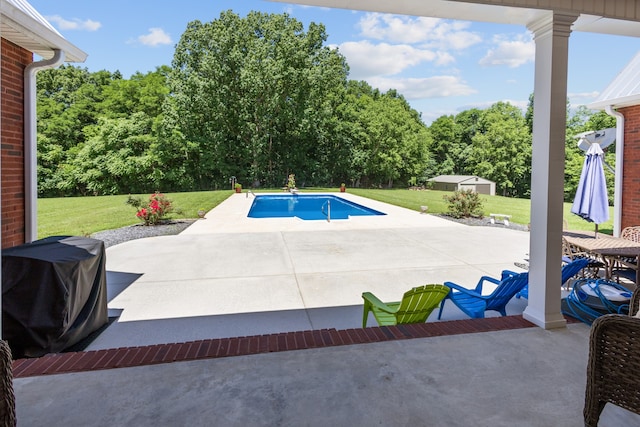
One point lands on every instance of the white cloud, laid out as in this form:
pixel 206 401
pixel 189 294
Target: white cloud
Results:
pixel 444 58
pixel 584 95
pixel 522 105
pixel 314 7
pixel 156 37
pixel 428 117
pixel 367 59
pixel 433 33
pixel 512 53
pixel 74 24
pixel 424 88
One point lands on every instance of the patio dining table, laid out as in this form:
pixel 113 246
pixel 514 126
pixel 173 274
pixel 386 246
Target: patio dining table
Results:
pixel 610 250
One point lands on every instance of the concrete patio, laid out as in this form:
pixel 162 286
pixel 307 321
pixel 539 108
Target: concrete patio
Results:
pixel 526 377
pixel 229 276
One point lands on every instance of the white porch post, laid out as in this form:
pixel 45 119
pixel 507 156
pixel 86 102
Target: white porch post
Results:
pixel 551 36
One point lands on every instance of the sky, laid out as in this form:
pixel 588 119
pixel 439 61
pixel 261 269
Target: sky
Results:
pixel 440 66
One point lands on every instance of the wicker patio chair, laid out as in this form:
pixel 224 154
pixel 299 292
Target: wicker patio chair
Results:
pixel 625 267
pixel 614 363
pixel 631 233
pixel 7 398
pixel 570 253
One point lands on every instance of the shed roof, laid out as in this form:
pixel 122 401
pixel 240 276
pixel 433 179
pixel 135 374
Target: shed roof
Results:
pixel 21 24
pixel 624 90
pixel 460 179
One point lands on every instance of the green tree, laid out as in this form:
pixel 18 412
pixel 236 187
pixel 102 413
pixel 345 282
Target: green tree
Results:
pixel 141 93
pixel 442 143
pixel 585 120
pixel 390 141
pixel 251 97
pixel 73 105
pixel 600 120
pixel 528 115
pixel 67 100
pixel 118 158
pixel 452 139
pixel 501 150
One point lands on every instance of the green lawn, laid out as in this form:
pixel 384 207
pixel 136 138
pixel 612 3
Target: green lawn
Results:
pixel 518 208
pixel 82 216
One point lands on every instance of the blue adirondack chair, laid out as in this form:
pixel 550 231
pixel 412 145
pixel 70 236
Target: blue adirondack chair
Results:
pixel 568 271
pixel 474 304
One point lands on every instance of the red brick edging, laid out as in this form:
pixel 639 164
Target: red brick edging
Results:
pixel 60 363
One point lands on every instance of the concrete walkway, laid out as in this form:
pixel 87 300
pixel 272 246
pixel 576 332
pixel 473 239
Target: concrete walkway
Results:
pixel 229 275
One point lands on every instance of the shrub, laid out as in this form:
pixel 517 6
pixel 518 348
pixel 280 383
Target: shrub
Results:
pixel 464 204
pixel 154 211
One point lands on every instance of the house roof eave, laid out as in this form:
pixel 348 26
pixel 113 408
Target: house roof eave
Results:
pixel 627 101
pixel 22 25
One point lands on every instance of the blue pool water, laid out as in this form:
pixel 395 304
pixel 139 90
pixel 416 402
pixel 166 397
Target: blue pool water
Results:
pixel 307 207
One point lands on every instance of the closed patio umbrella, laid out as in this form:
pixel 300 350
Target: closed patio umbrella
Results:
pixel 591 201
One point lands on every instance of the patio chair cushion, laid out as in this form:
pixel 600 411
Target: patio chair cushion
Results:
pixel 614 359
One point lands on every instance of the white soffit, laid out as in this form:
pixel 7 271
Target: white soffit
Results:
pixel 435 9
pixel 479 11
pixel 598 24
pixel 23 25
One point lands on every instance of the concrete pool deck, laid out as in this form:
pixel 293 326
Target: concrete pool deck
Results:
pixel 228 275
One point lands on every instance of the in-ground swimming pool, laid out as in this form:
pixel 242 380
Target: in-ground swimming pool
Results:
pixel 307 207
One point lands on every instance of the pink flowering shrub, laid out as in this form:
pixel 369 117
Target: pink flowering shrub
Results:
pixel 464 204
pixel 154 211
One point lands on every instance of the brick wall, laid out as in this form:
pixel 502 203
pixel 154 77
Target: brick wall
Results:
pixel 631 178
pixel 14 61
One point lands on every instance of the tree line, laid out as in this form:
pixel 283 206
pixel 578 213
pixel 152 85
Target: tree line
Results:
pixel 258 98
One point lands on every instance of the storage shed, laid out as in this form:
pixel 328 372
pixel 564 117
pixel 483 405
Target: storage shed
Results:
pixel 463 182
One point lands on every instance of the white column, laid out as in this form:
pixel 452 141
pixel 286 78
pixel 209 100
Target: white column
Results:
pixel 551 36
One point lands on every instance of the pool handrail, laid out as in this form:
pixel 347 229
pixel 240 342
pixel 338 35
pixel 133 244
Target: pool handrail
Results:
pixel 328 214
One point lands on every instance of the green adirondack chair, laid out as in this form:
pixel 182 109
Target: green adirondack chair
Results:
pixel 416 305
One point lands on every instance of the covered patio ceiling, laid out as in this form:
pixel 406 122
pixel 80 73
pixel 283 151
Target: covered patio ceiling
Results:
pixel 617 17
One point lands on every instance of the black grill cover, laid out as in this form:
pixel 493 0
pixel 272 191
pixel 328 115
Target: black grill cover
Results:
pixel 54 294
